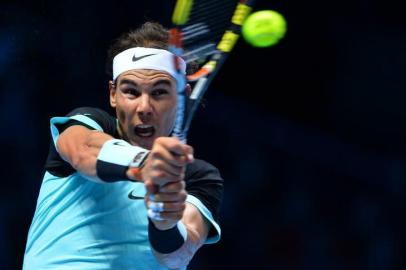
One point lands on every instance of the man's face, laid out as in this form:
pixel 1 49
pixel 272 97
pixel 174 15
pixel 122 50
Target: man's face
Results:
pixel 145 103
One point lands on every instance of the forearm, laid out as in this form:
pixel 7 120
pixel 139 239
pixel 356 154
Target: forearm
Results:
pixel 80 147
pixel 197 228
pixel 181 257
pixel 97 155
pixel 176 228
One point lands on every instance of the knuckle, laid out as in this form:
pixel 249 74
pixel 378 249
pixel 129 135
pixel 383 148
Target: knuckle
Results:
pixel 155 175
pixel 182 196
pixel 157 164
pixel 188 148
pixel 173 140
pixel 170 187
pixel 154 154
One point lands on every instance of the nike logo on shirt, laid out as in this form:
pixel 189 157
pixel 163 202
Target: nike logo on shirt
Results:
pixel 134 197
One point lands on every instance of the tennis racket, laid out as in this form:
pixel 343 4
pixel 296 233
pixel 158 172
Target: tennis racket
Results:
pixel 204 32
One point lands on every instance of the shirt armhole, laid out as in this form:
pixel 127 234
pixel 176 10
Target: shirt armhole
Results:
pixel 213 237
pixel 55 121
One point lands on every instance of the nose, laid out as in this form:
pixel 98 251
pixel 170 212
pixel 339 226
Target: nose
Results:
pixel 144 106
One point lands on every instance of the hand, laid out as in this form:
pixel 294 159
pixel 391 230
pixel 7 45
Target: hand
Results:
pixel 163 176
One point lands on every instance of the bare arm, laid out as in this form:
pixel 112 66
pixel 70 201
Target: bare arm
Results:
pixel 164 168
pixel 163 176
pixel 79 146
pixel 197 230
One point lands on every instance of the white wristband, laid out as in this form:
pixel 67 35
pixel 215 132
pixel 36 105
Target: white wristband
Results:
pixel 115 157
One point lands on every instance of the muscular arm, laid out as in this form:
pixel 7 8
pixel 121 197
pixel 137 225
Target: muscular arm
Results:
pixel 163 176
pixel 197 230
pixel 79 146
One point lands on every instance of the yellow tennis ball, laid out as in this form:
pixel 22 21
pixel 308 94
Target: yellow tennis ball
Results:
pixel 264 28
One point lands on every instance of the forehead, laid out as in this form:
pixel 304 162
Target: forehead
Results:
pixel 146 76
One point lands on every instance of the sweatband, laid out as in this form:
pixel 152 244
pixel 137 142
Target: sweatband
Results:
pixel 167 241
pixel 115 157
pixel 146 58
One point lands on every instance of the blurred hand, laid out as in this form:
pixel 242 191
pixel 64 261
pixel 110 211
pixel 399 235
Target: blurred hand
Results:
pixel 163 176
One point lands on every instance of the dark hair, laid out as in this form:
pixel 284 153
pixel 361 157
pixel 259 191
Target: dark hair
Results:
pixel 149 35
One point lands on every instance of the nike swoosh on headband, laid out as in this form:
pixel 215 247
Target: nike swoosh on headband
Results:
pixel 143 56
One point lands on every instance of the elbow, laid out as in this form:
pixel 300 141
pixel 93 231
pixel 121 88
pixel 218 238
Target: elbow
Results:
pixel 77 160
pixel 82 161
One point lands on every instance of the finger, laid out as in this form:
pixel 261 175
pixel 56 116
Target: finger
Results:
pixel 167 207
pixel 172 144
pixel 171 215
pixel 180 154
pixel 172 187
pixel 156 206
pixel 151 187
pixel 161 178
pixel 184 152
pixel 161 216
pixel 168 197
pixel 154 215
pixel 163 165
pixel 159 151
pixel 188 153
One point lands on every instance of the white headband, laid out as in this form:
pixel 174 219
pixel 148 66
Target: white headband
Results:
pixel 145 58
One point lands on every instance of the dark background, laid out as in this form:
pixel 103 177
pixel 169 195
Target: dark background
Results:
pixel 309 134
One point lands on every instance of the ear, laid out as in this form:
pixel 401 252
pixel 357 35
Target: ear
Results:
pixel 112 89
pixel 188 90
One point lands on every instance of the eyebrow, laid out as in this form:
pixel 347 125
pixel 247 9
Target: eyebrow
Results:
pixel 125 81
pixel 162 81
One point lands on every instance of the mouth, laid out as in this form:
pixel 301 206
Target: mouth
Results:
pixel 144 131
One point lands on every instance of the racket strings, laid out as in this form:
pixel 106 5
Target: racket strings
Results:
pixel 207 23
pixel 208 8
pixel 209 18
pixel 210 26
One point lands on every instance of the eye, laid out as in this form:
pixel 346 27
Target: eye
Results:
pixel 131 92
pixel 159 92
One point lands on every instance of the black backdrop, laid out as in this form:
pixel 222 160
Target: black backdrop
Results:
pixel 308 134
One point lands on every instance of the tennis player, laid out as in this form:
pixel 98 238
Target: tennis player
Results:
pixel 120 192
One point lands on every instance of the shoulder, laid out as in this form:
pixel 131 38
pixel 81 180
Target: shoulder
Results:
pixel 91 112
pixel 204 185
pixel 92 118
pixel 203 181
pixel 202 169
pixel 89 117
